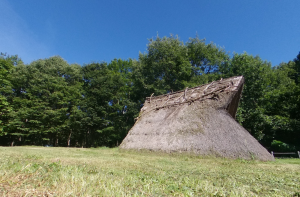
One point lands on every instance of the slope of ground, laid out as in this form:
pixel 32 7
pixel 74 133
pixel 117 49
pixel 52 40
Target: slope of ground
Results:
pixel 39 171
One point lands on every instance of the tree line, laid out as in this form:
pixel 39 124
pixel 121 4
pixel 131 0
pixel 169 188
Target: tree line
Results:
pixel 51 102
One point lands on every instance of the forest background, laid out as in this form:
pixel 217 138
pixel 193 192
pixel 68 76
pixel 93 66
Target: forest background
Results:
pixel 51 102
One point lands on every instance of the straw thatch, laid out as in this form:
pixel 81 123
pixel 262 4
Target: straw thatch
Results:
pixel 199 120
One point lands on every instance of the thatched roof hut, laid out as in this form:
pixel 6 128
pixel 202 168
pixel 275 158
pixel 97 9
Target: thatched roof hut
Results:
pixel 198 120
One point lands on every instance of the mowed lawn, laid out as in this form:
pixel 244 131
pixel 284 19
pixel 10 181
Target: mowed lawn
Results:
pixel 41 171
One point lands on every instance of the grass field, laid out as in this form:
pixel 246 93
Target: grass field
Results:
pixel 40 171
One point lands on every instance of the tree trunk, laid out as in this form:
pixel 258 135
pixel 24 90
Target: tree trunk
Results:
pixel 69 139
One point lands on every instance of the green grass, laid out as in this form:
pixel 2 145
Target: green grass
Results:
pixel 39 171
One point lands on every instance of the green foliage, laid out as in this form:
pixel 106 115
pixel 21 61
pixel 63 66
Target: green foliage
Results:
pixel 52 102
pixel 170 65
pixel 281 146
pixel 165 67
pixel 257 81
pixel 295 69
pixel 107 104
pixel 205 58
pixel 46 94
pixel 267 101
pixel 6 68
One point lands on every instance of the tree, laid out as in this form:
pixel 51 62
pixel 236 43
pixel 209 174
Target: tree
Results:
pixel 50 101
pixel 127 105
pixel 267 101
pixel 297 69
pixel 205 58
pixel 6 67
pixel 165 67
pixel 257 81
pixel 170 65
pixel 105 102
pixel 286 104
pixel 45 95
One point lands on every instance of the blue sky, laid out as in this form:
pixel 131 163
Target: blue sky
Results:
pixel 97 30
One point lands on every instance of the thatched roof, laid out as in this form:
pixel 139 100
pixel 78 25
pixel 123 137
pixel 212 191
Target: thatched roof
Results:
pixel 199 120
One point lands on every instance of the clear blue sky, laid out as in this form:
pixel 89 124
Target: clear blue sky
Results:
pixel 97 30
